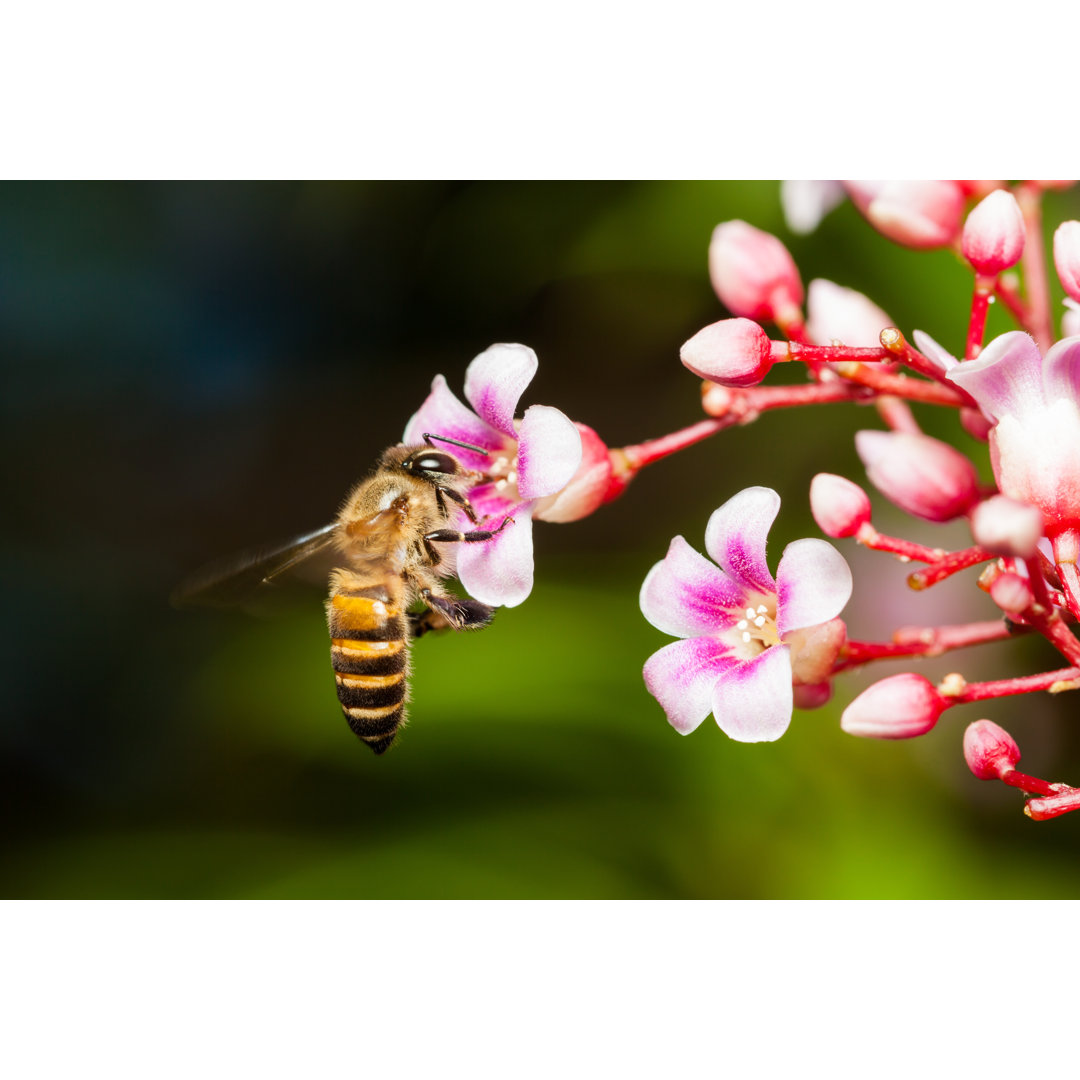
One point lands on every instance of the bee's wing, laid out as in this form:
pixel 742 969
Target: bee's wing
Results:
pixel 229 582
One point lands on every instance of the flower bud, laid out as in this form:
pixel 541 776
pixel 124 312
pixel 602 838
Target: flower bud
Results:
pixel 598 480
pixel 915 213
pixel 1067 257
pixel 836 313
pixel 752 272
pixel 993 238
pixel 1007 527
pixel 811 696
pixel 899 707
pixel 806 202
pixel 924 476
pixel 839 506
pixel 732 352
pixel 989 750
pixel 1011 593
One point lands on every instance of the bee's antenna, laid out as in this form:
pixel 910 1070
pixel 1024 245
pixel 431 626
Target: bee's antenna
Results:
pixel 456 442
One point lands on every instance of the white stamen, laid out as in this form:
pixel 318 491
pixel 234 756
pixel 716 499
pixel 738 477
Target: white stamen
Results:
pixel 742 624
pixel 750 613
pixel 746 636
pixel 760 620
pixel 762 609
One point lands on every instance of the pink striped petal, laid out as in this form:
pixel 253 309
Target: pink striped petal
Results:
pixel 752 701
pixel 443 414
pixel 686 595
pixel 495 381
pixel 1006 379
pixel 736 535
pixel 813 583
pixel 499 571
pixel 681 676
pixel 549 452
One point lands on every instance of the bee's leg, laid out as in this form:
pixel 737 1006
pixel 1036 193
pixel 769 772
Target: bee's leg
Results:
pixel 460 613
pixel 452 536
pixel 420 622
pixel 459 499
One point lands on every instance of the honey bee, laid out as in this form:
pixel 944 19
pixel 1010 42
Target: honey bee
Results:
pixel 385 539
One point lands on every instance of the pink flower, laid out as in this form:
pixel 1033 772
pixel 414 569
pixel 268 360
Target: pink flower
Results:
pixel 899 707
pixel 731 352
pixel 915 213
pixel 993 237
pixel 528 462
pixel 924 476
pixel 1067 257
pixel 834 312
pixel 1034 405
pixel 989 750
pixel 746 638
pixel 840 507
pixel 806 202
pixel 753 273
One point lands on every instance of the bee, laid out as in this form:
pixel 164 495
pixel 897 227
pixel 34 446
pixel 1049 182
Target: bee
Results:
pixel 386 541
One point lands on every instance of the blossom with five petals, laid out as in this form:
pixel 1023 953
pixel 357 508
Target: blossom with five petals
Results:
pixel 527 462
pixel 746 638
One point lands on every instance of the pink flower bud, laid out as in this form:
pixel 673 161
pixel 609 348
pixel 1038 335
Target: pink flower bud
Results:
pixel 1011 593
pixel 993 238
pixel 1007 527
pixel 899 707
pixel 752 272
pixel 732 352
pixel 989 750
pixel 836 313
pixel 1067 257
pixel 839 506
pixel 598 480
pixel 811 696
pixel 915 213
pixel 924 476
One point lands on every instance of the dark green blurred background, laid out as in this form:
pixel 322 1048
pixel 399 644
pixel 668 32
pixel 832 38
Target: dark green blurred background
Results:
pixel 190 369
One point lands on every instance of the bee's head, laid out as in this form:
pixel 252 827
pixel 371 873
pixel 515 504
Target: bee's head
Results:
pixel 429 464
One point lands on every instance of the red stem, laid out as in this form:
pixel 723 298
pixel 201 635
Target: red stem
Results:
pixel 1054 806
pixel 1007 294
pixel 1026 684
pixel 945 567
pixel 980 305
pixel 651 450
pixel 920 641
pixel 906 550
pixel 1029 196
pixel 1031 784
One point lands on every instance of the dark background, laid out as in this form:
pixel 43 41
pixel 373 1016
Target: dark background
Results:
pixel 190 369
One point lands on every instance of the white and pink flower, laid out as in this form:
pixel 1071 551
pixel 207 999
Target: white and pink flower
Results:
pixel 528 462
pixel 746 638
pixel 1034 406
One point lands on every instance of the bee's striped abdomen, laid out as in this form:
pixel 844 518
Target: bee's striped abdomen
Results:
pixel 369 652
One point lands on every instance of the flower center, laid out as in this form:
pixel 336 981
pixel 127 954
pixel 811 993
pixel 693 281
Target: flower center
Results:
pixel 758 628
pixel 503 472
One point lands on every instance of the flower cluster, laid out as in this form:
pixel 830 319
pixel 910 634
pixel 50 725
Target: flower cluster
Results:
pixel 752 647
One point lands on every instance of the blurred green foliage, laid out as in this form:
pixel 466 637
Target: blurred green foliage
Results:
pixel 190 369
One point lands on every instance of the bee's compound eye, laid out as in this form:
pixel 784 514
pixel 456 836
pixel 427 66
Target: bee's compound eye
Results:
pixel 432 461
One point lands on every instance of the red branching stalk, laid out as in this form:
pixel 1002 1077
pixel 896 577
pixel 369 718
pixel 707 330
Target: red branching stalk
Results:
pixel 899 385
pixel 905 550
pixel 946 566
pixel 955 691
pixel 651 450
pixel 1006 292
pixel 924 641
pixel 1055 805
pixel 1040 323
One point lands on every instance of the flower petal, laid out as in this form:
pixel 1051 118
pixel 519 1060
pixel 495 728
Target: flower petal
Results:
pixel 496 379
pixel 937 354
pixel 1006 379
pixel 736 534
pixel 686 595
pixel 813 583
pixel 499 571
pixel 752 701
pixel 443 414
pixel 1061 370
pixel 549 451
pixel 681 676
